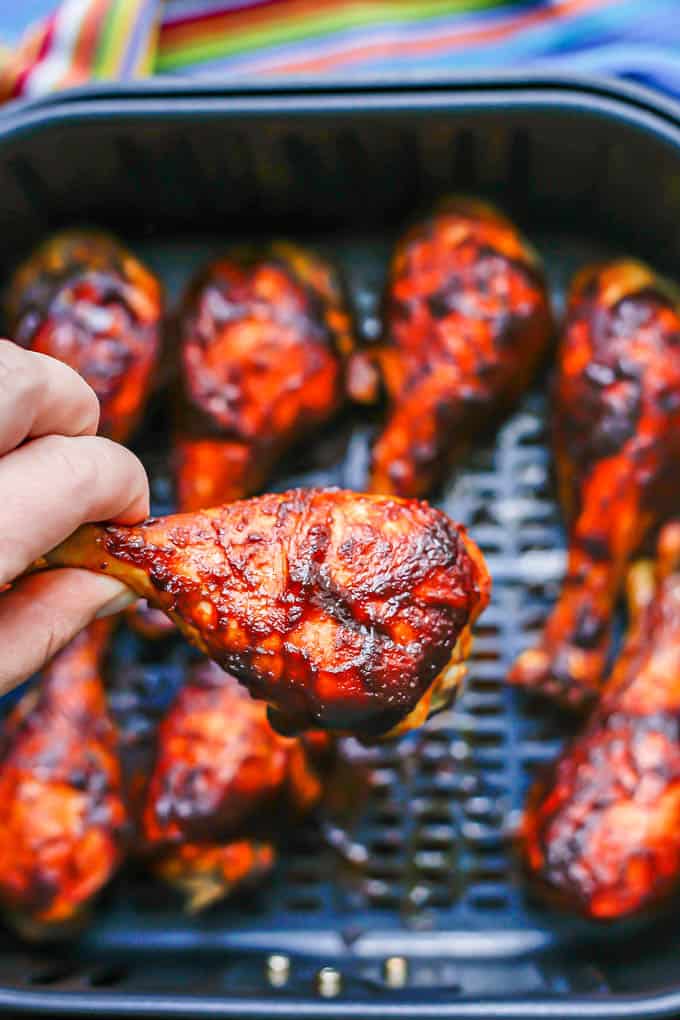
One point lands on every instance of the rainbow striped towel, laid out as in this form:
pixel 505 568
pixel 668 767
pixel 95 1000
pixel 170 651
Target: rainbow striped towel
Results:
pixel 122 39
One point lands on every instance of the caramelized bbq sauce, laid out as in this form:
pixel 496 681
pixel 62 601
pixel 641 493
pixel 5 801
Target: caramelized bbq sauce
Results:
pixel 467 322
pixel 338 609
pixel 84 299
pixel 264 337
pixel 616 427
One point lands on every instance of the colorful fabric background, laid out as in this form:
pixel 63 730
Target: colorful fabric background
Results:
pixel 123 39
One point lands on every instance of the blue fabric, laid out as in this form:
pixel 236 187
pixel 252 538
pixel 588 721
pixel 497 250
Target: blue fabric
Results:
pixel 17 15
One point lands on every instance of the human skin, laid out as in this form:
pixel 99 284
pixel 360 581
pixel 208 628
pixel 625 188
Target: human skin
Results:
pixel 55 474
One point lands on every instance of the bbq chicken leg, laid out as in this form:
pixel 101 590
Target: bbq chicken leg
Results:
pixel 264 335
pixel 602 832
pixel 617 446
pixel 343 611
pixel 222 785
pixel 86 300
pixel 467 320
pixel 62 815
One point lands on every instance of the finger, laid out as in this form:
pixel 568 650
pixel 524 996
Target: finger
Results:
pixel 50 486
pixel 41 613
pixel 40 396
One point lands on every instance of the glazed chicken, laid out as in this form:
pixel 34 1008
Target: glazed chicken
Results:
pixel 467 321
pixel 222 785
pixel 343 611
pixel 264 336
pixel 62 815
pixel 86 300
pixel 602 832
pixel 617 446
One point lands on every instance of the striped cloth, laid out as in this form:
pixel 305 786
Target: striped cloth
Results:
pixel 125 39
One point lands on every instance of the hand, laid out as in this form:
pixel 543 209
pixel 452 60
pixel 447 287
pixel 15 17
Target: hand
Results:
pixel 55 474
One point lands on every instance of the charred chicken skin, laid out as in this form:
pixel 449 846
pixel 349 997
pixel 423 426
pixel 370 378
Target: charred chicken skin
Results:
pixel 602 832
pixel 222 776
pixel 264 336
pixel 62 815
pixel 343 611
pixel 86 300
pixel 467 320
pixel 617 446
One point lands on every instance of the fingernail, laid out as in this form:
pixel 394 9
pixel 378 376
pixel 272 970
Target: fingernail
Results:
pixel 121 601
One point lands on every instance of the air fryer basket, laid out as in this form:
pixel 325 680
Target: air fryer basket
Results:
pixel 404 900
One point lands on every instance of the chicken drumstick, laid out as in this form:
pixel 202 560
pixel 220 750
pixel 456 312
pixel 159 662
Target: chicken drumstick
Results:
pixel 62 815
pixel 617 444
pixel 467 320
pixel 86 300
pixel 602 832
pixel 221 777
pixel 264 336
pixel 342 611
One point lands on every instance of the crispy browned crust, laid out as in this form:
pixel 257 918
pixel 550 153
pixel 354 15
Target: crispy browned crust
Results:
pixel 264 336
pixel 223 787
pixel 62 816
pixel 338 609
pixel 220 769
pixel 601 831
pixel 84 299
pixel 617 446
pixel 467 320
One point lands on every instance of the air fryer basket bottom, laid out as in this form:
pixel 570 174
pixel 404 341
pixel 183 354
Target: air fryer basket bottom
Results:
pixel 413 855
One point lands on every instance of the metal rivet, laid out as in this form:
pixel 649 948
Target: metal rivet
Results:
pixel 329 982
pixel 395 971
pixel 278 970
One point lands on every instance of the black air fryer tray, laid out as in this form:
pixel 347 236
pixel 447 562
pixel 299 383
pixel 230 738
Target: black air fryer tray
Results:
pixel 403 899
